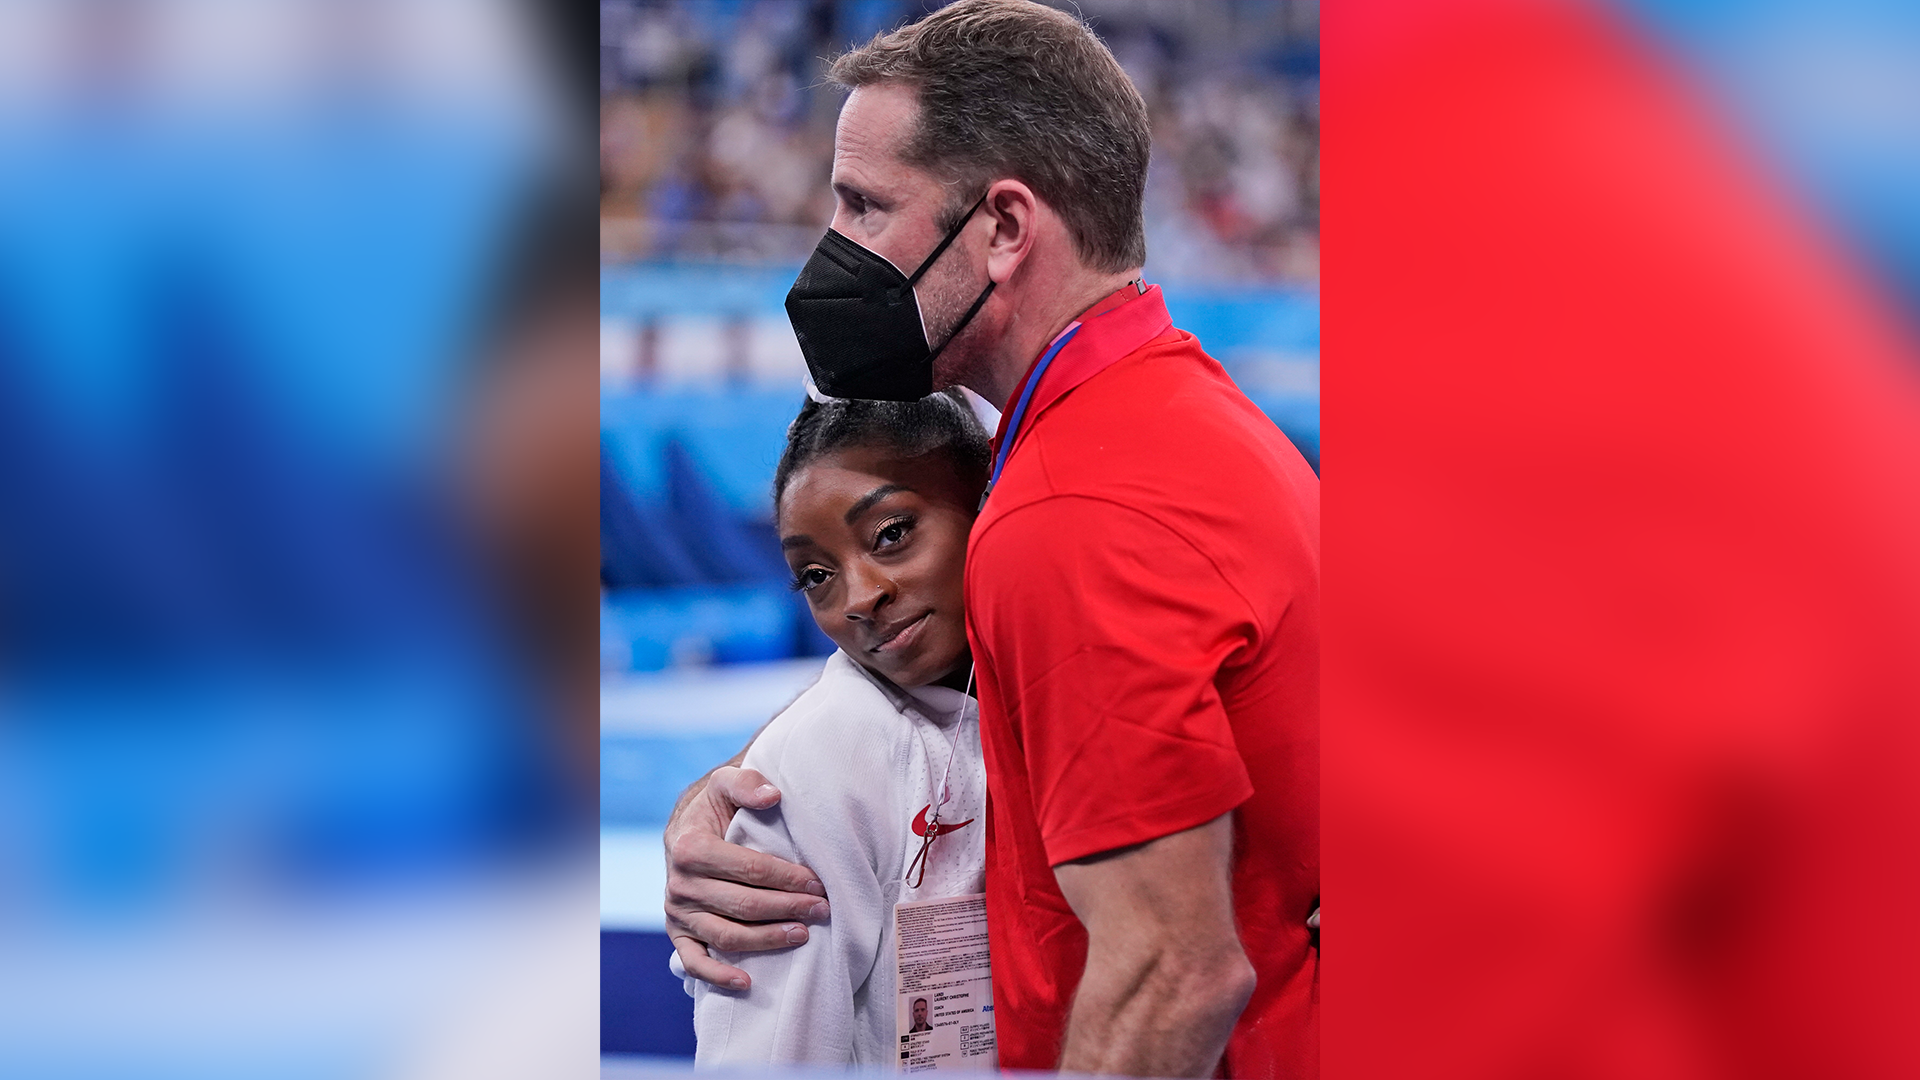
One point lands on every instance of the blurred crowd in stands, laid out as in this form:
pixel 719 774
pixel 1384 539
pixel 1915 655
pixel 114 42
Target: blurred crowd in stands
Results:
pixel 716 132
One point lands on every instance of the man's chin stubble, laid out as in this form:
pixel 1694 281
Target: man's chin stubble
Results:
pixel 961 363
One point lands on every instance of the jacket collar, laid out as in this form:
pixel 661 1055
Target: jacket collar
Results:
pixel 1119 324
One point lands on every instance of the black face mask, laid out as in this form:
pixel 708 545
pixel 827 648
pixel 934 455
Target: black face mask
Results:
pixel 859 323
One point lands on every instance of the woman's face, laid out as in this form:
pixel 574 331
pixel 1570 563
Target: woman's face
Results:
pixel 878 544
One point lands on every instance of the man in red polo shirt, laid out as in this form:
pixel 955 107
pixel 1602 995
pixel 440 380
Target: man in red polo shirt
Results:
pixel 1142 584
pixel 1143 600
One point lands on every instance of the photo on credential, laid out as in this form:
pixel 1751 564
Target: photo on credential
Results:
pixel 917 417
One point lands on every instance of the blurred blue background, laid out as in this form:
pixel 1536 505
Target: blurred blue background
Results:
pixel 291 781
pixel 716 139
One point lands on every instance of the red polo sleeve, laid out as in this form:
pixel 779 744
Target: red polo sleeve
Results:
pixel 1106 631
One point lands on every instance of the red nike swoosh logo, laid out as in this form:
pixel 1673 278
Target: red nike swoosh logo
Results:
pixel 941 829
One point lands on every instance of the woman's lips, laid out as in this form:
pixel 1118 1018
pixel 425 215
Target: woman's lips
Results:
pixel 903 637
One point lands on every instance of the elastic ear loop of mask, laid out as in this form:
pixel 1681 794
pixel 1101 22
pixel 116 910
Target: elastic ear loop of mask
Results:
pixel 964 320
pixel 980 301
pixel 952 235
pixel 922 859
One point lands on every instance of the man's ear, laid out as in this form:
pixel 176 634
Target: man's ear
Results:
pixel 1014 211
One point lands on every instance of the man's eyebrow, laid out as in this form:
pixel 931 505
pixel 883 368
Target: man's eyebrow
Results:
pixel 788 543
pixel 866 501
pixel 849 192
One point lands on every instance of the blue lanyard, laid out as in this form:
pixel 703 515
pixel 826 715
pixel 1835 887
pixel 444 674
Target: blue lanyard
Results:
pixel 1020 410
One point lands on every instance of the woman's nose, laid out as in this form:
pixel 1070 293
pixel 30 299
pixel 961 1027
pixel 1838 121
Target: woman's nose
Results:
pixel 866 592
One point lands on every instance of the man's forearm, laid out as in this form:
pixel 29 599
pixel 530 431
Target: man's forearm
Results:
pixel 1155 1011
pixel 1165 976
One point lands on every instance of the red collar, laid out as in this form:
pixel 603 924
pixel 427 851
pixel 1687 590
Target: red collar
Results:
pixel 1120 323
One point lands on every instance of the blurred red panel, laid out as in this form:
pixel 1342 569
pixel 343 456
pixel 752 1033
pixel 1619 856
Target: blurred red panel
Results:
pixel 1622 634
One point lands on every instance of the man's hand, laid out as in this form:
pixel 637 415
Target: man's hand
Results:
pixel 725 895
pixel 1166 977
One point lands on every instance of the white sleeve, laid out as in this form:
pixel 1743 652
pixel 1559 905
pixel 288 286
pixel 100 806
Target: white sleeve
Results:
pixel 803 1004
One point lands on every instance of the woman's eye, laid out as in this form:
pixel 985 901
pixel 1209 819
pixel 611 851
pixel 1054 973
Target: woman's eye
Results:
pixel 892 534
pixel 810 578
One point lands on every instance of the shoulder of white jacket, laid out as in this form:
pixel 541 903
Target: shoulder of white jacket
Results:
pixel 845 704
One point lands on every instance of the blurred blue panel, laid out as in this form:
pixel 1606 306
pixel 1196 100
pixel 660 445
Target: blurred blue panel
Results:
pixel 702 624
pixel 735 434
pixel 1298 418
pixel 643 1008
pixel 1224 319
pixel 642 773
pixel 645 290
pixel 638 546
pixel 1221 316
pixel 741 447
pixel 728 549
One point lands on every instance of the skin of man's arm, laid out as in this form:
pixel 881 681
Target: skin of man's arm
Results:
pixel 1166 977
pixel 725 895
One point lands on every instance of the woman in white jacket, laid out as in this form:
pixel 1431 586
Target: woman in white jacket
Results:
pixel 883 786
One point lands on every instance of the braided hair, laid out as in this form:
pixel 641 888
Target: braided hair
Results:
pixel 940 423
